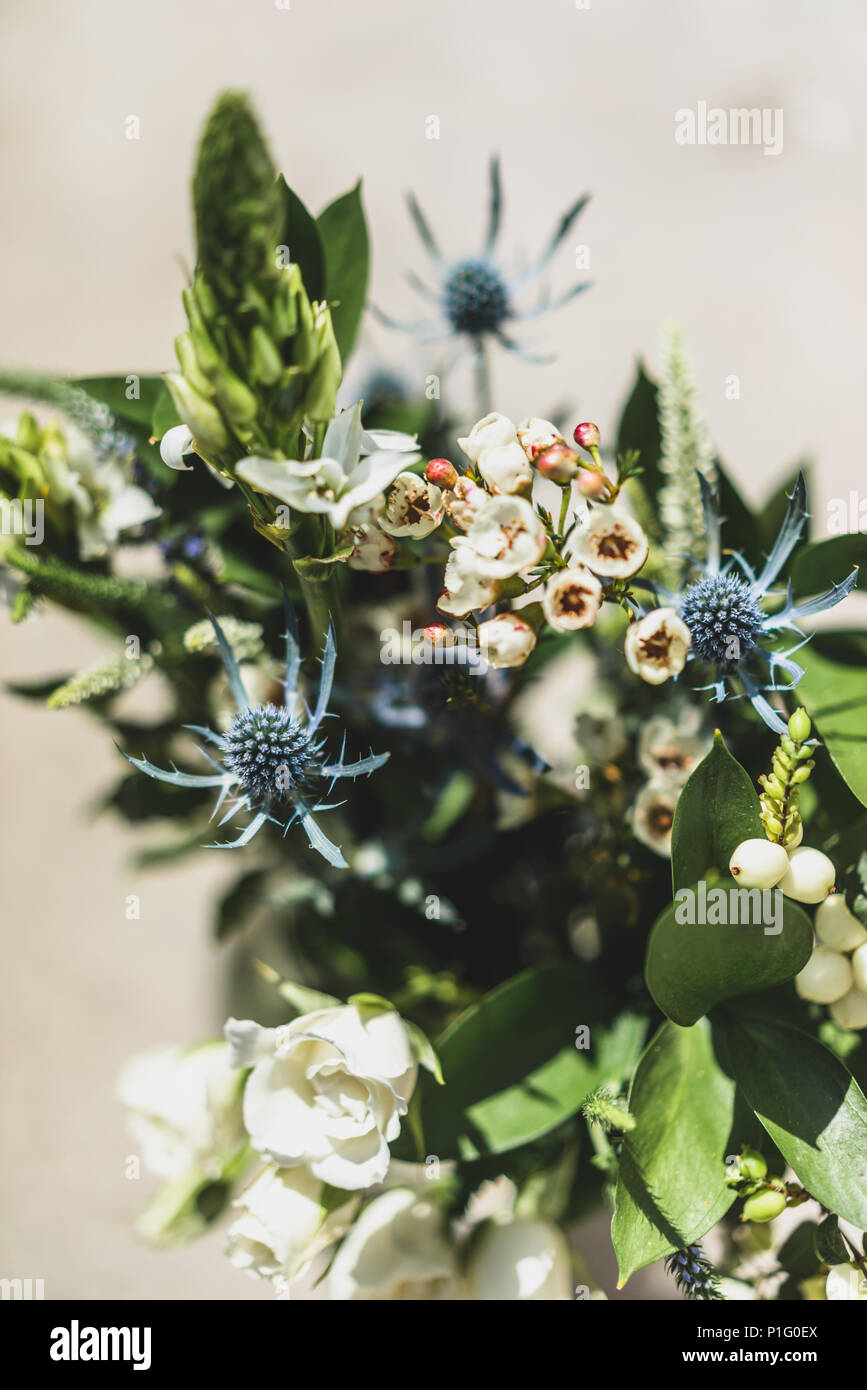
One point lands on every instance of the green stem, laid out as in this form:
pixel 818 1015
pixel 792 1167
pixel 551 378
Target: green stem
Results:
pixel 482 378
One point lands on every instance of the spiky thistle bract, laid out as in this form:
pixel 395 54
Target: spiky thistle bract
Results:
pixel 271 761
pixel 723 607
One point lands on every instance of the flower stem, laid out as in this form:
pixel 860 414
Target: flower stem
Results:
pixel 482 378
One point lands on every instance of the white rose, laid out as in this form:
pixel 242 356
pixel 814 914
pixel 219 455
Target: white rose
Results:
pixel 327 1090
pixel 285 1221
pixel 397 1250
pixel 572 599
pixel 506 640
pixel 611 543
pixel 508 536
pixel 520 1259
pixel 465 588
pixel 183 1109
pixel 413 507
pixel 656 646
pixel 492 445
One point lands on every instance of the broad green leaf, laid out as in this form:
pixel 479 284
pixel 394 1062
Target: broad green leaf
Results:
pixel 165 416
pixel 639 429
pixel 343 231
pixel 717 809
pixel 810 1105
pixel 302 238
pixel 671 1185
pixel 740 530
pixel 816 568
pixel 829 1244
pixel 131 397
pixel 834 691
pixel 691 968
pixel 512 1068
pixel 798 1252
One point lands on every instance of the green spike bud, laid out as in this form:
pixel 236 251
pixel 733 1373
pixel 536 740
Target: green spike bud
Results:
pixel 800 726
pixel 321 395
pixel 186 355
pixel 200 415
pixel 237 402
pixel 266 364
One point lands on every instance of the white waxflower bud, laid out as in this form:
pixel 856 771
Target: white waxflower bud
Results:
pixel 846 1282
pixel 809 877
pixel 506 640
pixel 572 598
pixel 536 435
pixel 413 507
pixel 656 646
pixel 826 976
pixel 859 968
pixel 758 864
pixel 851 1011
pixel 836 926
pixel 611 543
pixel 492 445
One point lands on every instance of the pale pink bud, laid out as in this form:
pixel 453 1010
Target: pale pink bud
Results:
pixel 558 462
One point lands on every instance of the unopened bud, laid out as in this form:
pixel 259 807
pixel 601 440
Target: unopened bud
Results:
pixel 591 484
pixel 587 435
pixel 441 473
pixel 558 462
pixel 764 1206
pixel 800 726
pixel 439 635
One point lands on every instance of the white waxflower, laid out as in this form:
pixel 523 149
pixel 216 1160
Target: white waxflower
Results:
pixel 810 876
pixel 653 814
pixel 836 926
pixel 508 536
pixel 534 436
pixel 464 502
pixel 355 467
pixel 373 550
pixel 611 543
pixel 413 507
pixel 572 598
pixel 846 1282
pixel 175 444
pixel 399 1250
pixel 285 1219
pixel 327 1090
pixel 666 750
pixel 183 1108
pixel 851 1011
pixel 492 445
pixel 465 587
pixel 520 1259
pixel 506 640
pixel 825 978
pixel 656 646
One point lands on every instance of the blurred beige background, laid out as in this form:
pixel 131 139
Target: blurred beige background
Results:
pixel 761 259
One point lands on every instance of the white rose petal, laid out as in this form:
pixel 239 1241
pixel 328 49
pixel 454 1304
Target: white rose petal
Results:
pixel 521 1259
pixel 397 1250
pixel 656 646
pixel 284 1221
pixel 611 543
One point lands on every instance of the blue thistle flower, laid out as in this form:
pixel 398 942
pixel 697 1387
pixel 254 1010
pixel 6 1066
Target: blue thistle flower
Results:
pixel 272 764
pixel 474 297
pixel 724 612
pixel 693 1273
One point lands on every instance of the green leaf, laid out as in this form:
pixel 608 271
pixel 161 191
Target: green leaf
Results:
pixel 114 391
pixel 343 231
pixel 717 809
pixel 238 903
pixel 798 1252
pixel 165 416
pixel 302 238
pixel 834 692
pixel 810 1105
pixel 671 1185
pixel 639 429
pixel 829 1244
pixel 691 968
pixel 423 1051
pixel 740 530
pixel 512 1068
pixel 819 566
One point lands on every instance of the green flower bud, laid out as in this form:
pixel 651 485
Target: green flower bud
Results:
pixel 800 726
pixel 186 355
pixel 801 773
pixel 266 364
pixel 764 1206
pixel 752 1163
pixel 200 415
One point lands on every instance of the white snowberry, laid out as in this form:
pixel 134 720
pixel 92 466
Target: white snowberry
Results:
pixel 758 864
pixel 851 1010
pixel 836 926
pixel 859 968
pixel 810 876
pixel 826 977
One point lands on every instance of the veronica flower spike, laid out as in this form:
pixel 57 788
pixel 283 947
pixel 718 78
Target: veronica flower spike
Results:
pixel 271 763
pixel 728 624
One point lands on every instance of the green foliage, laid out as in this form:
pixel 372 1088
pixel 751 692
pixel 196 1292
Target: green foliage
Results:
pixel 835 694
pixel 717 809
pixel 343 232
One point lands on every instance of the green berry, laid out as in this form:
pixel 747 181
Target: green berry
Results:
pixel 764 1206
pixel 752 1163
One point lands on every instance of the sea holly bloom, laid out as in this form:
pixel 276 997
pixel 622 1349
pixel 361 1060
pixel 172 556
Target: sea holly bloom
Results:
pixel 728 624
pixel 356 466
pixel 271 762
pixel 473 296
pixel 611 543
pixel 327 1090
pixel 413 507
pixel 506 640
pixel 493 446
pixel 572 599
pixel 465 587
pixel 657 645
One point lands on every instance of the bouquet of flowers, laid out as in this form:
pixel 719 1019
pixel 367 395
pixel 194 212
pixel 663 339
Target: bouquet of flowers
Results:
pixel 548 807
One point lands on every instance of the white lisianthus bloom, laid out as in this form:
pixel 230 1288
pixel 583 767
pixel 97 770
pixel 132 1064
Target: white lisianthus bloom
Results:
pixel 508 536
pixel 287 1216
pixel 534 436
pixel 355 467
pixel 520 1259
pixel 657 645
pixel 506 640
pixel 846 1282
pixel 327 1090
pixel 413 507
pixel 465 588
pixel 174 445
pixel 492 445
pixel 572 598
pixel 183 1108
pixel 398 1249
pixel 611 543
pixel 653 814
pixel 464 502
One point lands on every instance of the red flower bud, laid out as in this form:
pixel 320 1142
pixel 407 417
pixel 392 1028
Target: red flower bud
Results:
pixel 441 473
pixel 587 435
